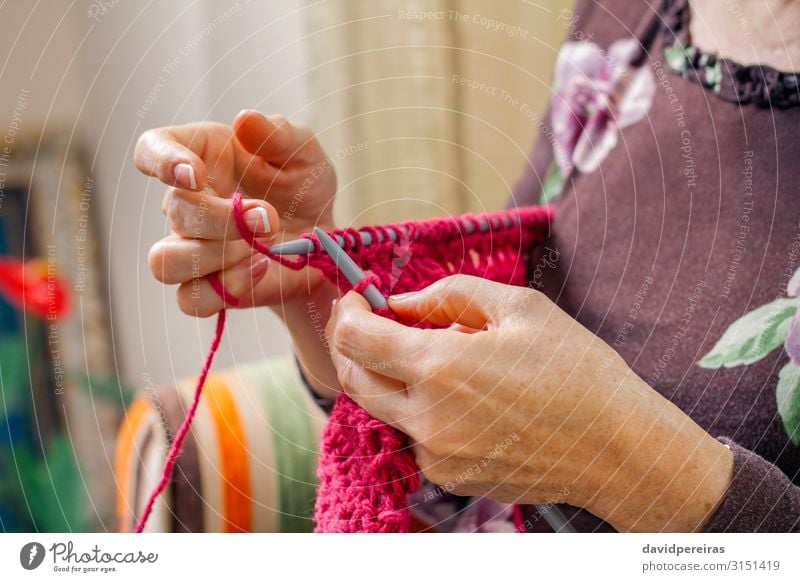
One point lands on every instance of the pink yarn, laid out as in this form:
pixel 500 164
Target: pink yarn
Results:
pixel 366 472
pixel 366 468
pixel 183 430
pixel 516 518
pixel 228 299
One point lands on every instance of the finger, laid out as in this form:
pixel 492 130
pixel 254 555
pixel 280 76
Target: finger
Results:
pixel 203 216
pixel 470 301
pixel 197 297
pixel 462 328
pixel 375 342
pixel 273 138
pixel 175 259
pixel 171 154
pixel 382 397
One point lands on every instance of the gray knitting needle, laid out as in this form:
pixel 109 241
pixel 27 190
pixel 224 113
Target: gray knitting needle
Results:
pixel 349 269
pixel 555 519
pixel 354 274
pixel 303 246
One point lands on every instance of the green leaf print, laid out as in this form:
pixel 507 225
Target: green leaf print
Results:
pixel 752 336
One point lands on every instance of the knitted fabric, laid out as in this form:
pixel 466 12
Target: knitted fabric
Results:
pixel 366 469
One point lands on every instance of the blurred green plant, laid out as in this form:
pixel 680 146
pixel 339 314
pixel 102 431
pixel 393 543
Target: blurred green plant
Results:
pixel 45 489
pixel 42 489
pixel 109 388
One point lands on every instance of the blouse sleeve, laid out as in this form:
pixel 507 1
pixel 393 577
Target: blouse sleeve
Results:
pixel 326 404
pixel 761 498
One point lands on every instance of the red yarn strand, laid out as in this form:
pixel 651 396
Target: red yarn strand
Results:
pixel 180 436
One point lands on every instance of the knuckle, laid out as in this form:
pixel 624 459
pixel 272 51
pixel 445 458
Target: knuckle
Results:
pixel 520 301
pixel 450 279
pixel 165 201
pixel 305 135
pixel 188 299
pixel 177 212
pixel 438 447
pixel 145 152
pixel 426 461
pixel 309 145
pixel 345 373
pixel 431 368
pixel 456 283
pixel 160 264
pixel 532 296
pixel 434 472
pixel 423 427
pixel 345 334
pixel 218 223
pixel 191 218
pixel 303 130
pixel 143 143
pixel 443 286
pixel 185 300
pixel 281 123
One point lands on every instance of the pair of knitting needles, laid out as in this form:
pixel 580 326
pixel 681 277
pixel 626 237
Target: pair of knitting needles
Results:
pixel 354 275
pixel 304 246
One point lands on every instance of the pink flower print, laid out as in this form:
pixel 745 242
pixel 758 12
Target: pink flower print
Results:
pixel 597 94
pixel 792 343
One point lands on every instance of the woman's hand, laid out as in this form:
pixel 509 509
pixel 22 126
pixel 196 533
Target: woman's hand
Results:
pixel 529 407
pixel 289 183
pixel 268 159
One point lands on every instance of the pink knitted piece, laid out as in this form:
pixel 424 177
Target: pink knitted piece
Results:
pixel 366 468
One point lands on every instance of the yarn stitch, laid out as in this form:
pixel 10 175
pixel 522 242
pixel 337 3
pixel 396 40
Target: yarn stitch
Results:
pixel 366 469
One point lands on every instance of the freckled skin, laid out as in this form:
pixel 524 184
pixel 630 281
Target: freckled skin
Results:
pixel 611 443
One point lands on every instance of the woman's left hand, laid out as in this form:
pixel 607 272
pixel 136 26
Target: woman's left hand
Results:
pixel 518 402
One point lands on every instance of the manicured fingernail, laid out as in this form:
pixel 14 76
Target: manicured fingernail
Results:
pixel 266 240
pixel 257 220
pixel 184 176
pixel 258 265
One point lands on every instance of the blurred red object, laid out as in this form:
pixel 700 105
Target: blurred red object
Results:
pixel 34 286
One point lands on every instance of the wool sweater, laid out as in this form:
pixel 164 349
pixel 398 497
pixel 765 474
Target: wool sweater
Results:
pixel 690 221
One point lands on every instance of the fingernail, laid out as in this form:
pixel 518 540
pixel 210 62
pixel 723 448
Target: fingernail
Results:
pixel 400 297
pixel 258 265
pixel 184 176
pixel 257 220
pixel 251 112
pixel 266 240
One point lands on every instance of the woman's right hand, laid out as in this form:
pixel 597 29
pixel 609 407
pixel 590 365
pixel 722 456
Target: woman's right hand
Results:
pixel 284 175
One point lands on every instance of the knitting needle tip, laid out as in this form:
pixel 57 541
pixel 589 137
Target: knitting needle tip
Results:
pixel 300 246
pixel 349 269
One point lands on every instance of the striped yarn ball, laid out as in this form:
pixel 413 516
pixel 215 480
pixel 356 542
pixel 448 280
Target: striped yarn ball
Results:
pixel 248 464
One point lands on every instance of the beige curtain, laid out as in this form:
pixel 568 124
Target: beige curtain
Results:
pixel 429 107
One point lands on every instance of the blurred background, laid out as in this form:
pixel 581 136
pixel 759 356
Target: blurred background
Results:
pixel 426 107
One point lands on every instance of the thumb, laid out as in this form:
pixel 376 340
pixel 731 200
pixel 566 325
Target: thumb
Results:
pixel 462 299
pixel 272 138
